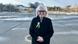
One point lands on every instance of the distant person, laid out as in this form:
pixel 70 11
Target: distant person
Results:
pixel 41 29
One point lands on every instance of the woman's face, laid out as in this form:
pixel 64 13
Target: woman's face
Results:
pixel 42 13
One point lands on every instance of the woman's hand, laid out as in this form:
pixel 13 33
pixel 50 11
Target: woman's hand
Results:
pixel 40 39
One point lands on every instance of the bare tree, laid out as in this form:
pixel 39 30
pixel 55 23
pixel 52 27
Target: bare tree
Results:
pixel 34 6
pixel 1 7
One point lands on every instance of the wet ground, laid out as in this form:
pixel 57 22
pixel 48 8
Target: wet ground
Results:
pixel 16 30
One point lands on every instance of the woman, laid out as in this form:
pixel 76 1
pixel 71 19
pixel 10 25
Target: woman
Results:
pixel 41 29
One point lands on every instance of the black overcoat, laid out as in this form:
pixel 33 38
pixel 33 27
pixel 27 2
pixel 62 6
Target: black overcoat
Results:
pixel 45 30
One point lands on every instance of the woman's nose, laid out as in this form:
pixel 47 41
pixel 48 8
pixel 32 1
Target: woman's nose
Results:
pixel 42 13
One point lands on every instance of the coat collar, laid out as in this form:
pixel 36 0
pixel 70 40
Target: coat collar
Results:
pixel 39 19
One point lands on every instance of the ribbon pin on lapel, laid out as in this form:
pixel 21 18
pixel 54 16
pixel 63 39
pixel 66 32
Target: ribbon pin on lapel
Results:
pixel 38 25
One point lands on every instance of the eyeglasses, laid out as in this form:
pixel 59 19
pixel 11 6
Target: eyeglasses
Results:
pixel 42 12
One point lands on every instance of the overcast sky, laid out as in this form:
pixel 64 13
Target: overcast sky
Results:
pixel 47 2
